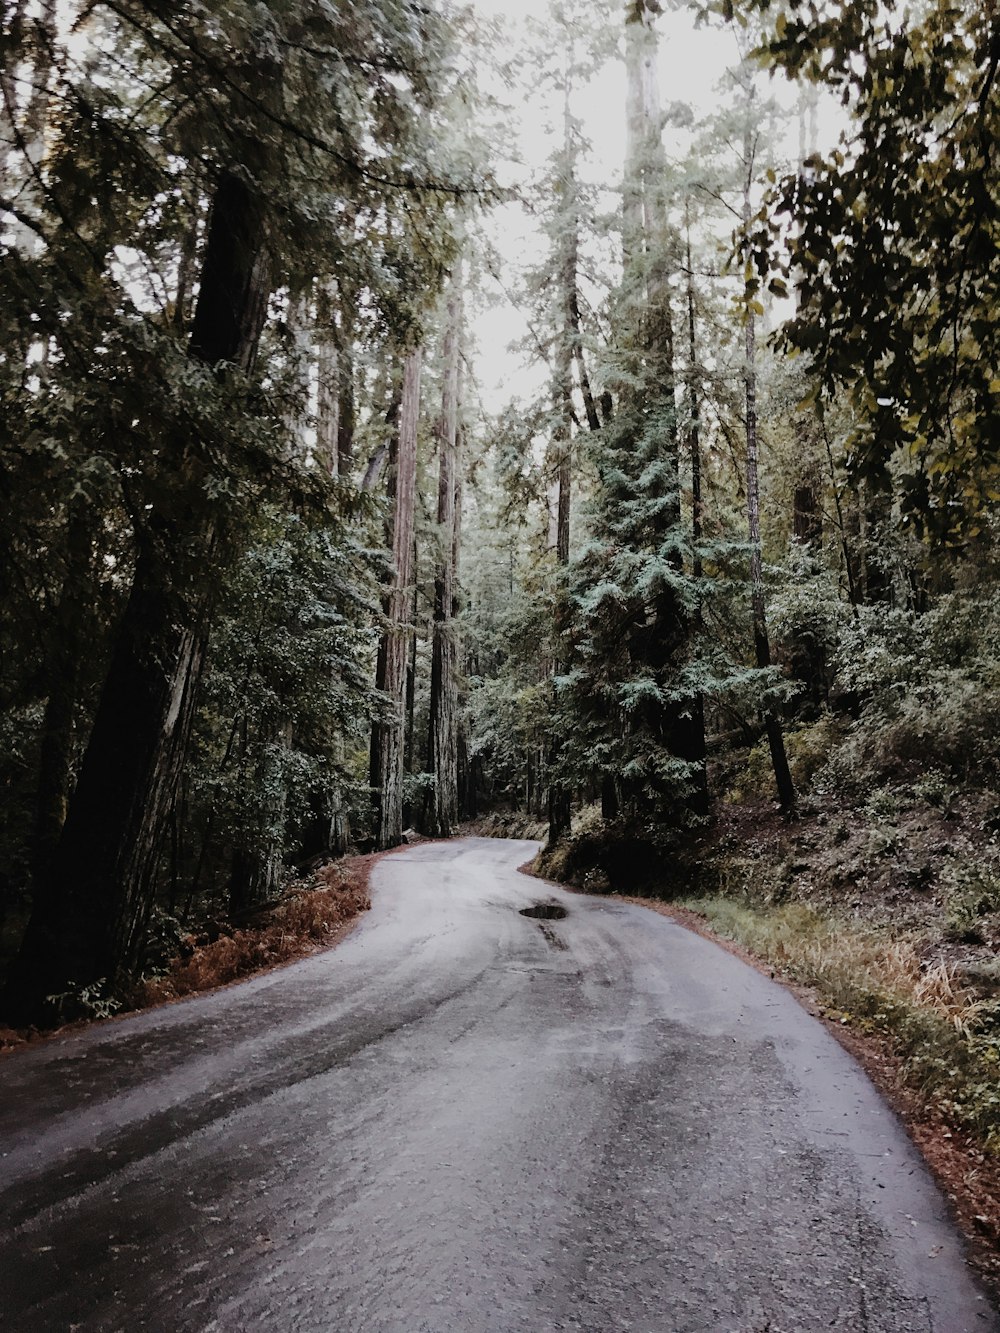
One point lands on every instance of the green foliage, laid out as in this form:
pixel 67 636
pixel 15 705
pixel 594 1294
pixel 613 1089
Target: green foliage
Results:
pixel 347 132
pixel 973 892
pixel 289 698
pixel 96 999
pixel 892 244
pixel 927 692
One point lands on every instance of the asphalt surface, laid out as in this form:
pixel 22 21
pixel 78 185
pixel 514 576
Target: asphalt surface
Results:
pixel 464 1119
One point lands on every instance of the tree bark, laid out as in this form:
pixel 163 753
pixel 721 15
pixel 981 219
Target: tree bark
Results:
pixel 388 738
pixel 762 646
pixel 89 919
pixel 328 385
pixel 345 389
pixel 567 342
pixel 443 747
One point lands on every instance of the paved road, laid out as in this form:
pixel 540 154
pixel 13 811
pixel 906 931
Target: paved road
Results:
pixel 465 1120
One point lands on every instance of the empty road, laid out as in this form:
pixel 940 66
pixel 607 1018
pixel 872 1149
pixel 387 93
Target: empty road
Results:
pixel 464 1119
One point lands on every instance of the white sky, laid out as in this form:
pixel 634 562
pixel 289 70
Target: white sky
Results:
pixel 692 62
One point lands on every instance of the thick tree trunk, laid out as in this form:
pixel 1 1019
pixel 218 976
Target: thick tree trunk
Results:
pixel 389 738
pixel 443 745
pixel 89 919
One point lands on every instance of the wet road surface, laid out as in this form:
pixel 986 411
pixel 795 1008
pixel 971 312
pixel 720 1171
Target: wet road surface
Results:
pixel 462 1120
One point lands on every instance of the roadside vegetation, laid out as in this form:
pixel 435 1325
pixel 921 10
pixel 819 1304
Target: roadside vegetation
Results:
pixel 312 914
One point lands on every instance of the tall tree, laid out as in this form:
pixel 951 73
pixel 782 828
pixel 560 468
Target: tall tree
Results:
pixel 567 348
pixel 89 914
pixel 443 746
pixel 638 677
pixel 762 643
pixel 388 736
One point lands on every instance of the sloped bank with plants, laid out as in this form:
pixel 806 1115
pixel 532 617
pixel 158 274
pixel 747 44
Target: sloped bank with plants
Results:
pixel 881 896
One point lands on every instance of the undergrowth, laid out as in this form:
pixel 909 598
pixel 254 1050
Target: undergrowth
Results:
pixel 305 918
pixel 948 1038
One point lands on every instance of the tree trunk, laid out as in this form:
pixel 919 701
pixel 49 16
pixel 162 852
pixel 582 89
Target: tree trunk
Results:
pixel 327 384
pixel 762 646
pixel 388 738
pixel 444 648
pixel 55 769
pixel 877 519
pixel 345 388
pixel 697 720
pixel 559 794
pixel 88 921
pixel 807 518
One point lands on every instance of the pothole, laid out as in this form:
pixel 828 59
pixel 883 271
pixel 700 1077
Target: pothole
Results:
pixel 545 912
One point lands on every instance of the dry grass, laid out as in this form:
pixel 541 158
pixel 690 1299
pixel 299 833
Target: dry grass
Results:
pixel 943 1031
pixel 307 919
pixel 916 1030
pixel 849 960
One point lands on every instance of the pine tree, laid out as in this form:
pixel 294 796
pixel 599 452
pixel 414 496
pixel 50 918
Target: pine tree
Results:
pixel 632 676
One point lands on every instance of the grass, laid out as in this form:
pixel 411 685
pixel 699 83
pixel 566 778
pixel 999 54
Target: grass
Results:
pixel 948 1038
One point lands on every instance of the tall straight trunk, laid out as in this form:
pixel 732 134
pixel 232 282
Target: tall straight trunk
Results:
pixel 389 738
pixel 876 517
pixel 299 325
pixel 409 762
pixel 185 273
pixel 89 918
pixel 327 383
pixel 762 646
pixel 443 746
pixel 345 388
pixel 699 751
pixel 807 517
pixel 559 794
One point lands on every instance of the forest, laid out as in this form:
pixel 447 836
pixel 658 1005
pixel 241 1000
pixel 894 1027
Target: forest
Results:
pixel 705 598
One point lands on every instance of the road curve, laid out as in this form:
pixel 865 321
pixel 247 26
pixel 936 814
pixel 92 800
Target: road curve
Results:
pixel 466 1120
